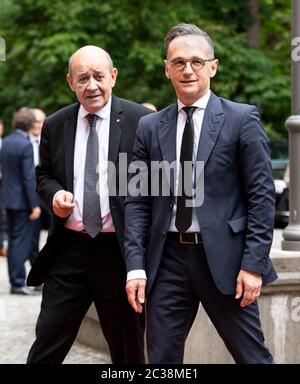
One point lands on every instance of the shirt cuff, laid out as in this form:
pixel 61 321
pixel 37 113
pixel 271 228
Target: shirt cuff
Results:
pixel 61 190
pixel 136 274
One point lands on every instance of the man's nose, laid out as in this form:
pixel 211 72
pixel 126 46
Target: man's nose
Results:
pixel 92 84
pixel 188 68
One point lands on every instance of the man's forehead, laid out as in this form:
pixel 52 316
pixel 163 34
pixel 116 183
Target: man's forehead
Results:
pixel 194 41
pixel 85 62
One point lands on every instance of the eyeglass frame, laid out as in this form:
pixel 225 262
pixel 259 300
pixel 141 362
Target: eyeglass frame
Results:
pixel 189 61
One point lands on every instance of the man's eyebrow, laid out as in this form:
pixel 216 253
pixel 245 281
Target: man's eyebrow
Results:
pixel 181 58
pixel 99 71
pixel 81 73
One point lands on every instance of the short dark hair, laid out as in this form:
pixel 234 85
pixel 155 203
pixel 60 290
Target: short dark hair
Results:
pixel 23 119
pixel 184 29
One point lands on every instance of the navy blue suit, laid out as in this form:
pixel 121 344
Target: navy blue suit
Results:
pixel 18 197
pixel 236 223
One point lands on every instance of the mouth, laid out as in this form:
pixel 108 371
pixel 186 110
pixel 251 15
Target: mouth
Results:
pixel 188 81
pixel 93 97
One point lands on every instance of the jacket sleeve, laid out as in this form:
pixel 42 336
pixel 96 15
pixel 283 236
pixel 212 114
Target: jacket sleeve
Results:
pixel 46 185
pixel 256 171
pixel 138 206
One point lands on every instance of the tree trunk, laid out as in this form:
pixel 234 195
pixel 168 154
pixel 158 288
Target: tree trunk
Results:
pixel 253 32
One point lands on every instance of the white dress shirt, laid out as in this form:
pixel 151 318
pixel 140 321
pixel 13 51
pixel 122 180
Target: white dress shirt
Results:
pixel 35 141
pixel 198 116
pixel 74 221
pixel 198 120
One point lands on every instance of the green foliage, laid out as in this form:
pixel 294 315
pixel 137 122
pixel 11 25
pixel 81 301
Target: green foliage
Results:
pixel 42 34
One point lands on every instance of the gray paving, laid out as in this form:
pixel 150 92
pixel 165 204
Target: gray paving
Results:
pixel 18 316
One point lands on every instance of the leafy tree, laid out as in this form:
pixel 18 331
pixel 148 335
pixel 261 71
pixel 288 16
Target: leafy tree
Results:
pixel 42 34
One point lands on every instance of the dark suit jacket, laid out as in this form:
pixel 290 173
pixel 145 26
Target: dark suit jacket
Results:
pixel 56 169
pixel 237 215
pixel 18 173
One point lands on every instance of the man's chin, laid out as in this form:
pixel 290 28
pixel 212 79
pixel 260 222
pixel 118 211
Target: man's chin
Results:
pixel 188 98
pixel 93 107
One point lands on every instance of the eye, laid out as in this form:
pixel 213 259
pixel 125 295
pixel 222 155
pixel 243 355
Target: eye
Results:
pixel 198 63
pixel 99 77
pixel 179 63
pixel 83 79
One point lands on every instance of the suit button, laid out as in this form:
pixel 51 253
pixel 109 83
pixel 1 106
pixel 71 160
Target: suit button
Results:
pixel 164 234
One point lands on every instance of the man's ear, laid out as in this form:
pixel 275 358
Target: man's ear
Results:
pixel 213 67
pixel 114 75
pixel 70 81
pixel 167 69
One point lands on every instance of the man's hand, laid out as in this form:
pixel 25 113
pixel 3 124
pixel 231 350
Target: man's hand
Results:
pixel 136 294
pixel 35 213
pixel 63 204
pixel 249 285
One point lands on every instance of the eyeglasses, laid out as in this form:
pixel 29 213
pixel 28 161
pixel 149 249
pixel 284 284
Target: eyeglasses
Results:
pixel 196 64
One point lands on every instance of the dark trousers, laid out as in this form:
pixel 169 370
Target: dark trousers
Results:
pixel 2 220
pixel 19 229
pixel 34 248
pixel 2 228
pixel 83 271
pixel 183 281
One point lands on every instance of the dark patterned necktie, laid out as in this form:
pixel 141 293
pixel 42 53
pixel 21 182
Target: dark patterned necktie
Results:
pixel 91 202
pixel 183 213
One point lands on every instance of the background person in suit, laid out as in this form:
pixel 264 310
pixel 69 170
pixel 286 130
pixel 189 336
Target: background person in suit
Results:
pixel 18 197
pixel 3 251
pixel 150 106
pixel 82 263
pixel 35 133
pixel 44 220
pixel 216 253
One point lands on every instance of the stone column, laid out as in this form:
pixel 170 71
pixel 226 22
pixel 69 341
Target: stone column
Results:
pixel 291 234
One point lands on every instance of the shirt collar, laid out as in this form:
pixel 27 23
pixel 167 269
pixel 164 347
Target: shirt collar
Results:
pixel 200 103
pixel 23 133
pixel 103 112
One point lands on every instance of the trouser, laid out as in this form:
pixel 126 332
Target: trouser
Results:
pixel 20 230
pixel 83 271
pixel 183 281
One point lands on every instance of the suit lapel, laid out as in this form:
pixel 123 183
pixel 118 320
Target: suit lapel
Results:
pixel 167 139
pixel 213 121
pixel 69 139
pixel 115 129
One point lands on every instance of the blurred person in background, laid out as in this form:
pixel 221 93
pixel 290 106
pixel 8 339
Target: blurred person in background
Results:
pixel 44 220
pixel 3 251
pixel 19 198
pixel 150 106
pixel 35 133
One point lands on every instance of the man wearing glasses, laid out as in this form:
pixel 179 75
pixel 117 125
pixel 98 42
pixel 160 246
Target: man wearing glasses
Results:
pixel 215 252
